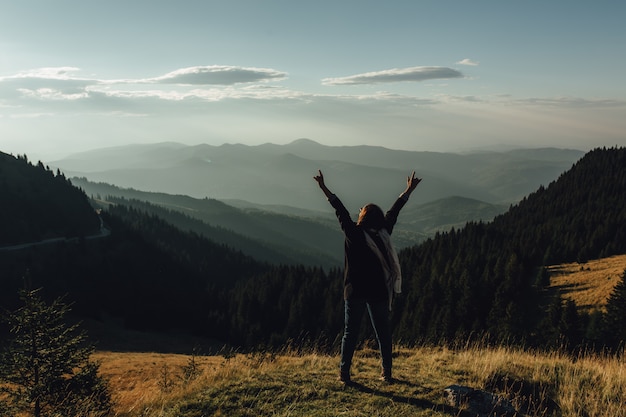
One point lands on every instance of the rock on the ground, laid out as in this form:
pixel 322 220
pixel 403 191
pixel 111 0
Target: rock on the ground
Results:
pixel 479 402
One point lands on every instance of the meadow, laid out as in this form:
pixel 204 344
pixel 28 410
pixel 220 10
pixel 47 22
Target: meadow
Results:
pixel 292 383
pixel 589 284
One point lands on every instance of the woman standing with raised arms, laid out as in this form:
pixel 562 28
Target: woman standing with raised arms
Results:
pixel 371 273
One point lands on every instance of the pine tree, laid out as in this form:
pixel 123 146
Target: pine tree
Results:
pixel 45 367
pixel 570 323
pixel 616 314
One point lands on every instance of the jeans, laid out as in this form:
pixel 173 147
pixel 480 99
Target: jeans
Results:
pixel 379 315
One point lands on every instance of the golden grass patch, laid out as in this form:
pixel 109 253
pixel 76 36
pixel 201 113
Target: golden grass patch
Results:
pixel 136 379
pixel 590 284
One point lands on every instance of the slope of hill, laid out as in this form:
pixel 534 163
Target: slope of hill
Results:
pixel 589 284
pixel 37 204
pixel 146 274
pixel 482 278
pixel 264 235
pixel 282 174
pixel 446 213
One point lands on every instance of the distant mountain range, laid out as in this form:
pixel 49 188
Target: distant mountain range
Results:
pixel 281 175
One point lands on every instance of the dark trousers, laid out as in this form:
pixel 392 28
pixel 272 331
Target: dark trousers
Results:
pixel 379 315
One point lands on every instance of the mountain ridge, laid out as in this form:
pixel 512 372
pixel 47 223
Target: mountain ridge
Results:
pixel 282 174
pixel 262 222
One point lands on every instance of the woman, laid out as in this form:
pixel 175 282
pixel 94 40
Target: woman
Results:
pixel 371 273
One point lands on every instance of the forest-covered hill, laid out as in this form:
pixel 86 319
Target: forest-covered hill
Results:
pixel 264 235
pixel 488 276
pixel 483 279
pixel 282 234
pixel 37 204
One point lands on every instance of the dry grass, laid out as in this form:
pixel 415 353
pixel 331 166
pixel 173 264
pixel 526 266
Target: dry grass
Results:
pixel 294 384
pixel 137 379
pixel 590 284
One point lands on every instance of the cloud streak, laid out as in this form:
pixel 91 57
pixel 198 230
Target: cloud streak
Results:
pixel 198 75
pixel 411 74
pixel 468 62
pixel 48 73
pixel 571 102
pixel 218 75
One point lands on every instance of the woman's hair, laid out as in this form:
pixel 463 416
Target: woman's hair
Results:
pixel 371 217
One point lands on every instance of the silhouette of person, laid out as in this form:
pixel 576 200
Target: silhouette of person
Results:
pixel 371 273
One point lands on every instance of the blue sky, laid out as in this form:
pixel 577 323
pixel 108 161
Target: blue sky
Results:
pixel 418 75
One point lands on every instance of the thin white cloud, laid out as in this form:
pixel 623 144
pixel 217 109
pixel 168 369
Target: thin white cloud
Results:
pixel 459 99
pixel 253 93
pixel 52 94
pixel 411 74
pixel 571 102
pixel 31 115
pixel 218 75
pixel 212 94
pixel 469 62
pixel 50 73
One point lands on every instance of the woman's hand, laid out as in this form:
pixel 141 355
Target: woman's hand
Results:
pixel 411 183
pixel 319 178
pixel 320 181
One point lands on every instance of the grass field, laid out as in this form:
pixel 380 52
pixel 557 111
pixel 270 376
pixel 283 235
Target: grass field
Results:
pixel 590 284
pixel 305 384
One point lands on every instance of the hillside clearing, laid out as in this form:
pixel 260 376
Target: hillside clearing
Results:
pixel 590 284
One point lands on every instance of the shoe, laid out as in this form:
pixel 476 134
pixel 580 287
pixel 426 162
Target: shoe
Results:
pixel 386 377
pixel 345 379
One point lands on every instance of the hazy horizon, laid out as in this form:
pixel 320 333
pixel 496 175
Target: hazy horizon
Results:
pixel 496 148
pixel 57 156
pixel 423 76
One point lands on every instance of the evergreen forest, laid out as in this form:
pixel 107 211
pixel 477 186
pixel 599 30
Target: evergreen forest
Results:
pixel 147 272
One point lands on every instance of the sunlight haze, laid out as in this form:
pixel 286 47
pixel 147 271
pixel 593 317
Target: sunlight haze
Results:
pixel 450 76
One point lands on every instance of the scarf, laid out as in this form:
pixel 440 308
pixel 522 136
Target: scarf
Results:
pixel 389 261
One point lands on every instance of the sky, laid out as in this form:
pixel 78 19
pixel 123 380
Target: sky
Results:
pixel 442 75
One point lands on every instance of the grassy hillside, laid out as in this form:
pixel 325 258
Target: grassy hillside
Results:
pixel 305 384
pixel 590 284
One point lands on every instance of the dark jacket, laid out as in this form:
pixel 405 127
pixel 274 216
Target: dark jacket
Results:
pixel 363 274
